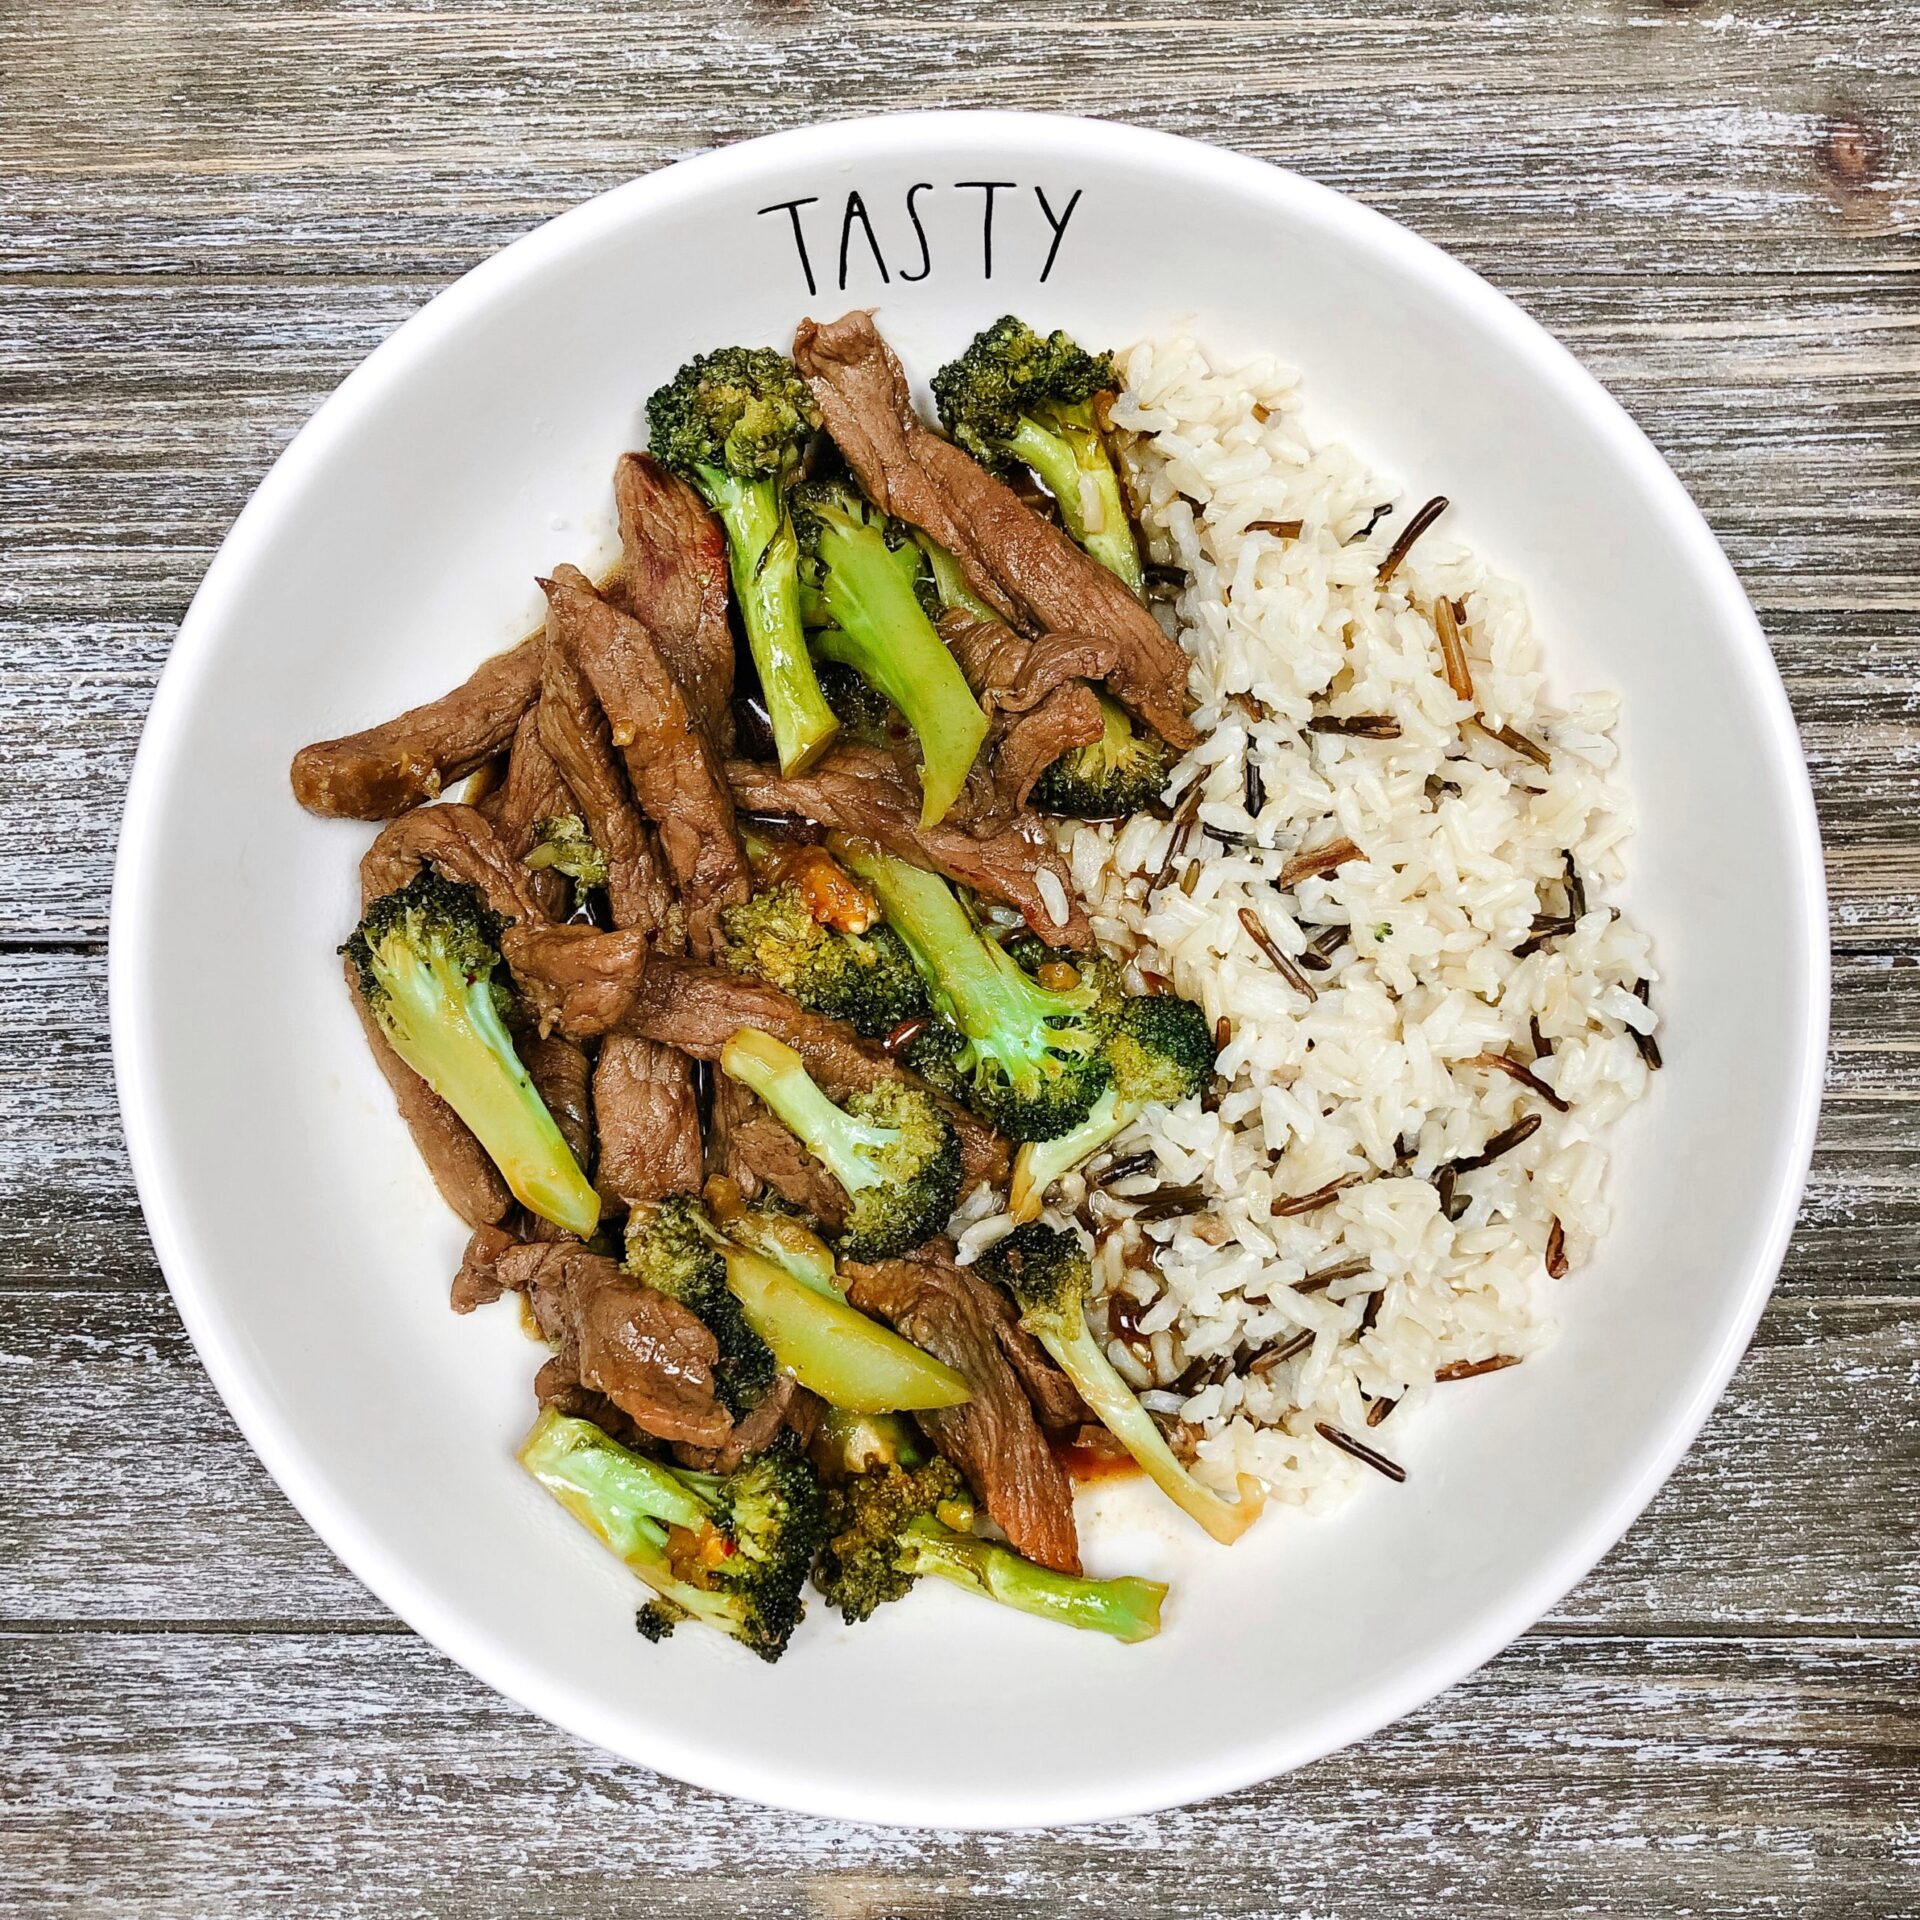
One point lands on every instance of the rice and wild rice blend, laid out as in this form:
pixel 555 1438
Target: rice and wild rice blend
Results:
pixel 1385 879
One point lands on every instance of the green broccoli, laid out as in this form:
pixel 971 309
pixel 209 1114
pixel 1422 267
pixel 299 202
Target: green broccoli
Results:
pixel 864 978
pixel 888 1527
pixel 1120 773
pixel 777 1233
pixel 891 1148
pixel 735 423
pixel 674 1248
pixel 1161 1051
pixel 1032 1059
pixel 426 957
pixel 1016 398
pixel 1047 1273
pixel 867 717
pixel 861 577
pixel 948 579
pixel 561 841
pixel 732 1551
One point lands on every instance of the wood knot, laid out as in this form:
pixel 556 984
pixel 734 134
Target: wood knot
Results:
pixel 1851 151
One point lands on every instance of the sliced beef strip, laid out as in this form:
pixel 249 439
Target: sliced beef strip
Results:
pixel 1024 747
pixel 478 1282
pixel 555 1386
pixel 754 1150
pixel 1014 560
pixel 862 791
pixel 468 1180
pixel 648 1119
pixel 575 733
pixel 786 1405
pixel 677 778
pixel 994 1438
pixel 387 769
pixel 673 578
pixel 1010 673
pixel 592 978
pixel 699 1008
pixel 461 843
pixel 533 790
pixel 1056 1400
pixel 562 1076
pixel 649 1355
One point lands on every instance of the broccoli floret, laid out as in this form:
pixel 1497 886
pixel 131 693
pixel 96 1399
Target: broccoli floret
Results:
pixel 865 978
pixel 1120 773
pixel 846 1443
pixel 561 841
pixel 1017 398
pixel 731 1551
pixel 674 1248
pixel 867 717
pixel 888 1527
pixel 735 423
pixel 1047 1272
pixel 890 1147
pixel 426 957
pixel 1030 1058
pixel 863 579
pixel 1161 1051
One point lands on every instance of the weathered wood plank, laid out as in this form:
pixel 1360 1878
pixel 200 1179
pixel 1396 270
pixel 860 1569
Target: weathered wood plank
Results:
pixel 1709 137
pixel 366 1776
pixel 1817 1425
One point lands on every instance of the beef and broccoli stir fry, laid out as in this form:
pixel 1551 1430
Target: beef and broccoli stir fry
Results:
pixel 746 956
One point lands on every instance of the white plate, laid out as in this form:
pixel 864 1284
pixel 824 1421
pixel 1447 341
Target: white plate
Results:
pixel 395 544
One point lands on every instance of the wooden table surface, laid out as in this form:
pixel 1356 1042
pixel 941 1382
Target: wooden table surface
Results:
pixel 212 209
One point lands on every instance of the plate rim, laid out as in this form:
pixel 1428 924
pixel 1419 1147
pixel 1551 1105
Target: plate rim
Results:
pixel 216 1338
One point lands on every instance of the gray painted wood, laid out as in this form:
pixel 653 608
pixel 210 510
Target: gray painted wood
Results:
pixel 211 209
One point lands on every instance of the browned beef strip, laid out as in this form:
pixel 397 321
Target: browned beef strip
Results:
pixel 1026 745
pixel 862 791
pixel 468 1180
pixel 649 1355
pixel 673 578
pixel 592 978
pixel 754 1150
pixel 676 776
pixel 1056 1400
pixel 699 1008
pixel 648 1121
pixel 1010 673
pixel 561 1074
pixel 994 1438
pixel 575 732
pixel 532 791
pixel 1015 560
pixel 478 1282
pixel 459 842
pixel 387 769
pixel 555 1386
pixel 785 1404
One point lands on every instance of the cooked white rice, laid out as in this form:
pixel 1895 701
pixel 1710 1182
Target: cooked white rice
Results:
pixel 1372 1078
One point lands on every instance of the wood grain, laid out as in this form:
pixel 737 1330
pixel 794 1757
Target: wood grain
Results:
pixel 211 209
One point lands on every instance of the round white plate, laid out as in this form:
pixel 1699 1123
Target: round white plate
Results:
pixel 395 545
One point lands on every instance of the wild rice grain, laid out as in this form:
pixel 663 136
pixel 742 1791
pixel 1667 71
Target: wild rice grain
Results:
pixel 1319 1197
pixel 1473 1369
pixel 1304 866
pixel 1282 965
pixel 1499 1063
pixel 1360 1451
pixel 1423 518
pixel 1556 1249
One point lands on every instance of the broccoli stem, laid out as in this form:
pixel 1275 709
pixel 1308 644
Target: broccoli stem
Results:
pixel 950 583
pixel 790 1244
pixel 1078 1354
pixel 626 1502
pixel 1069 463
pixel 881 632
pixel 1039 1163
pixel 1127 1608
pixel 447 1028
pixel 835 1350
pixel 779 1076
pixel 1000 1009
pixel 764 557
